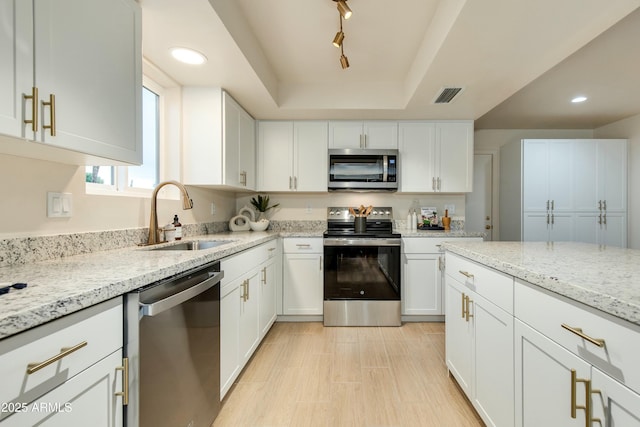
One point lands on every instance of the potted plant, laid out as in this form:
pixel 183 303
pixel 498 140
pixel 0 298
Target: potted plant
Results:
pixel 261 204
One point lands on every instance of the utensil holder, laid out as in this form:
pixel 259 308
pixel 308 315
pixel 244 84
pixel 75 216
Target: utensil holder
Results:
pixel 360 224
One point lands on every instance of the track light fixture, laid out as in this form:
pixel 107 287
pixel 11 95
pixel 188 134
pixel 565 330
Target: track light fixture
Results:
pixel 338 40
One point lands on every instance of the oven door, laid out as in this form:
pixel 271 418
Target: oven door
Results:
pixel 362 269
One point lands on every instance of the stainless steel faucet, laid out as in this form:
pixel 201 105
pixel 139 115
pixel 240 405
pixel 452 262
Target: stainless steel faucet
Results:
pixel 187 203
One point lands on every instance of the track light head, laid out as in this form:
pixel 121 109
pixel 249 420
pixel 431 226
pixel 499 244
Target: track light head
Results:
pixel 344 62
pixel 344 10
pixel 337 40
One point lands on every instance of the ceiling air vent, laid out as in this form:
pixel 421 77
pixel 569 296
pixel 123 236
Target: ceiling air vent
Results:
pixel 446 95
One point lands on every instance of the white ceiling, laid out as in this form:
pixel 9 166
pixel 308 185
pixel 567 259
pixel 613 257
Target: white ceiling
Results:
pixel 276 58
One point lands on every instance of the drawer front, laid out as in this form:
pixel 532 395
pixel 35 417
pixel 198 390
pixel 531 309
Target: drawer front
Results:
pixel 303 245
pixel 430 245
pixel 99 326
pixel 238 264
pixel 495 286
pixel 547 313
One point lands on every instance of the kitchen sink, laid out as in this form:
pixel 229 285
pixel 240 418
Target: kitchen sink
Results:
pixel 194 245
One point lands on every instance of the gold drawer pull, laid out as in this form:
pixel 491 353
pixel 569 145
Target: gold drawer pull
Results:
pixel 578 331
pixel 52 114
pixel 466 274
pixel 125 381
pixel 64 352
pixel 34 109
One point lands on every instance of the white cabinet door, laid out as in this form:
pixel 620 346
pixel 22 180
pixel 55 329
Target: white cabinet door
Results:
pixel 560 180
pixel 614 229
pixel 249 328
pixel 612 171
pixel 247 146
pixel 88 55
pixel 535 176
pixel 369 134
pixel 422 285
pixel 561 228
pixel 454 157
pixel 303 284
pixel 268 278
pixel 16 67
pixel 535 227
pixel 229 339
pixel 86 399
pixel 458 335
pixel 417 162
pixel 275 156
pixel 239 145
pixel 345 134
pixel 493 362
pixel 614 404
pixel 381 135
pixel 310 156
pixel 543 381
pixel 587 227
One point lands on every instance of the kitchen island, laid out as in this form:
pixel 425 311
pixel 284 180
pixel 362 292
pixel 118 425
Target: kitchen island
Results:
pixel 556 323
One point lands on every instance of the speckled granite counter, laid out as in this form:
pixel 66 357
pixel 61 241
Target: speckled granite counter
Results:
pixel 607 279
pixel 63 286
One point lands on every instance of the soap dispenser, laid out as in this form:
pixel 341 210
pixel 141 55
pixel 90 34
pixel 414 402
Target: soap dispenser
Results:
pixel 178 226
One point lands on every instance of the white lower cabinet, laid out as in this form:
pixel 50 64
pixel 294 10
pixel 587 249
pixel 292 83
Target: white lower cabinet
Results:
pixel 247 307
pixel 543 381
pixel 84 383
pixel 479 343
pixel 303 276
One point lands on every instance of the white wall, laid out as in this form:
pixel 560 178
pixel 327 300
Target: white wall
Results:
pixel 629 129
pixel 24 202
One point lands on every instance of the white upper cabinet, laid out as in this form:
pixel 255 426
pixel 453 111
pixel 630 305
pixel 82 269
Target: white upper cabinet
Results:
pixel 436 156
pixel 292 156
pixel 74 72
pixel 368 134
pixel 219 140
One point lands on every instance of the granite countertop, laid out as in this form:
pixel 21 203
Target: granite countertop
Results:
pixel 605 278
pixel 63 286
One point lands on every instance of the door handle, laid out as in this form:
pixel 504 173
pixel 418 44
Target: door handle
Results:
pixel 64 352
pixel 52 114
pixel 34 109
pixel 125 381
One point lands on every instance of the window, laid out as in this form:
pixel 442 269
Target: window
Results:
pixel 134 179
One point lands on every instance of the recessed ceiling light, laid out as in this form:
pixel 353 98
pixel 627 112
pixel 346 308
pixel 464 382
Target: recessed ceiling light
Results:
pixel 578 99
pixel 188 56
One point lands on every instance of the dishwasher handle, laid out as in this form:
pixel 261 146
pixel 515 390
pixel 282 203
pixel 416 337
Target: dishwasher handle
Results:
pixel 158 307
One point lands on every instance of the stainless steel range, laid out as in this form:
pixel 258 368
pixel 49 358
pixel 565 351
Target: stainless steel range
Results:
pixel 361 269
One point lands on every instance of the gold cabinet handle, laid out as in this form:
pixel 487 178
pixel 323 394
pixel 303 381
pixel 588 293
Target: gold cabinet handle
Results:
pixel 52 114
pixel 587 403
pixel 264 276
pixel 468 313
pixel 578 331
pixel 34 109
pixel 464 307
pixel 125 381
pixel 466 274
pixel 64 352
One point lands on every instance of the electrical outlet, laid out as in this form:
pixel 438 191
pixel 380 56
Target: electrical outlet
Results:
pixel 308 208
pixel 450 208
pixel 213 208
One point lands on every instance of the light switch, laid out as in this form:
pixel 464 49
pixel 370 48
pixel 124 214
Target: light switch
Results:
pixel 59 205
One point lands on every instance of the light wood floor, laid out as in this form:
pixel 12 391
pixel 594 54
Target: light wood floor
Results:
pixel 304 374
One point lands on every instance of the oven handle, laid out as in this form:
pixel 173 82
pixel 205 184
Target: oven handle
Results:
pixel 165 304
pixel 341 241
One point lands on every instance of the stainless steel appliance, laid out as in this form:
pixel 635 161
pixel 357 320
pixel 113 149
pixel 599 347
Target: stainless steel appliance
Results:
pixel 172 336
pixel 363 170
pixel 361 270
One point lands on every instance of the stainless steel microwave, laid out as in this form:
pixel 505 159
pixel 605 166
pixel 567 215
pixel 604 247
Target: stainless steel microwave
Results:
pixel 363 170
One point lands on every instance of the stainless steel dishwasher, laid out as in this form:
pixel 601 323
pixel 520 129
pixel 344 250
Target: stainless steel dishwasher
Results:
pixel 172 335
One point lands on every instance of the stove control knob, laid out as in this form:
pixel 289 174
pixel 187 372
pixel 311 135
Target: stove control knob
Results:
pixel 387 213
pixel 331 213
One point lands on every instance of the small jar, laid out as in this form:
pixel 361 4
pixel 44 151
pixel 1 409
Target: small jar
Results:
pixel 169 233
